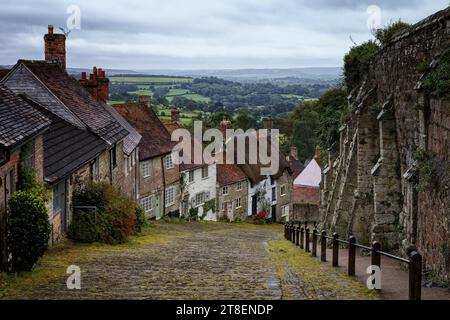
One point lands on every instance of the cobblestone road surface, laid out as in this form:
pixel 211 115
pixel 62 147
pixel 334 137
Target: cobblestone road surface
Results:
pixel 200 261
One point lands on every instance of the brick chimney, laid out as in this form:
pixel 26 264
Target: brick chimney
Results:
pixel 175 115
pixel 97 84
pixel 55 47
pixel 147 100
pixel 294 153
pixel 267 123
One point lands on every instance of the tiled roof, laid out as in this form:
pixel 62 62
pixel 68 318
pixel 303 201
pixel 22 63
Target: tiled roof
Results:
pixel 3 72
pixel 306 195
pixel 67 148
pixel 155 137
pixel 229 174
pixel 171 127
pixel 18 119
pixel 72 94
pixel 131 141
pixel 253 171
pixel 296 166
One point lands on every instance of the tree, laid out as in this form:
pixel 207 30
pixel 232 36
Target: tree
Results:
pixel 244 120
pixel 304 129
pixel 357 62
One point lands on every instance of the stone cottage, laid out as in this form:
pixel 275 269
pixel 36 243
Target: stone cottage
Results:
pixel 197 181
pixel 21 146
pixel 84 143
pixel 159 178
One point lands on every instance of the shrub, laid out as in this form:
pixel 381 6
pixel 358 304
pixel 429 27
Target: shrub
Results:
pixel 386 35
pixel 438 81
pixel 141 219
pixel 357 63
pixel 28 229
pixel 114 220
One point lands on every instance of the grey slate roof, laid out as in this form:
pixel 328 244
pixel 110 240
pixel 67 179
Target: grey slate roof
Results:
pixel 76 105
pixel 66 147
pixel 18 119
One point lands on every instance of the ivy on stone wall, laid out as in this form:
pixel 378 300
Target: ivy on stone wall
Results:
pixel 209 205
pixel 433 173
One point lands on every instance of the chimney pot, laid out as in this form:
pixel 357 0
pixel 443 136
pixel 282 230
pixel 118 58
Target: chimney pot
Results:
pixel 91 77
pixel 147 100
pixel 83 75
pixel 50 29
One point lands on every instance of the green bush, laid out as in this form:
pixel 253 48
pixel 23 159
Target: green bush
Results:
pixel 114 220
pixel 141 219
pixel 357 63
pixel 386 35
pixel 28 229
pixel 438 81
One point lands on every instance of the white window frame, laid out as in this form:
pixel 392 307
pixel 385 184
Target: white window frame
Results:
pixel 285 211
pixel 147 203
pixel 238 203
pixel 239 186
pixel 207 172
pixel 145 166
pixel 281 190
pixel 166 196
pixel 225 191
pixel 191 176
pixel 169 162
pixel 203 199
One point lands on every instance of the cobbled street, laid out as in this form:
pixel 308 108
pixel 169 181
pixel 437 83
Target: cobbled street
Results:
pixel 194 261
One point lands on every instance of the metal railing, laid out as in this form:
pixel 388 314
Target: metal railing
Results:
pixel 301 237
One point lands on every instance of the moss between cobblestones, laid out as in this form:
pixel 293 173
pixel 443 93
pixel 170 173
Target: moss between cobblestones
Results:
pixel 57 259
pixel 303 277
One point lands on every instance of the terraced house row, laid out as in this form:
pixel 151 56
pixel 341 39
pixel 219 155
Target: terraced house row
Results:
pixel 64 130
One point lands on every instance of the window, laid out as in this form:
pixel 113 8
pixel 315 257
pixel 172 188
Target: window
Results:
pixel 147 204
pixel 169 162
pixel 238 203
pixel 274 194
pixel 170 196
pixel 239 186
pixel 285 211
pixel 225 191
pixel 283 190
pixel 58 197
pixel 199 199
pixel 223 206
pixel 95 170
pixel 204 172
pixel 191 176
pixel 146 169
pixel 113 157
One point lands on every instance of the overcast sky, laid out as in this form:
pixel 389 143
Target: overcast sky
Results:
pixel 200 34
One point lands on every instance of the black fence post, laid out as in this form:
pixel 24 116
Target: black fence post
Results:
pixel 351 256
pixel 302 239
pixel 307 240
pixel 376 256
pixel 285 230
pixel 323 247
pixel 415 276
pixel 314 244
pixel 297 236
pixel 293 234
pixel 335 250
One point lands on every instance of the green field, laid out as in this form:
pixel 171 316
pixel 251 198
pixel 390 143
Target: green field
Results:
pixel 149 80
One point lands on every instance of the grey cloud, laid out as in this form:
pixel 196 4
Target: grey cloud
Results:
pixel 164 34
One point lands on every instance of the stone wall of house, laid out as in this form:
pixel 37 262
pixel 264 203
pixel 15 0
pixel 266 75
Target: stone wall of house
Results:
pixel 305 213
pixel 284 200
pixel 226 204
pixel 371 189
